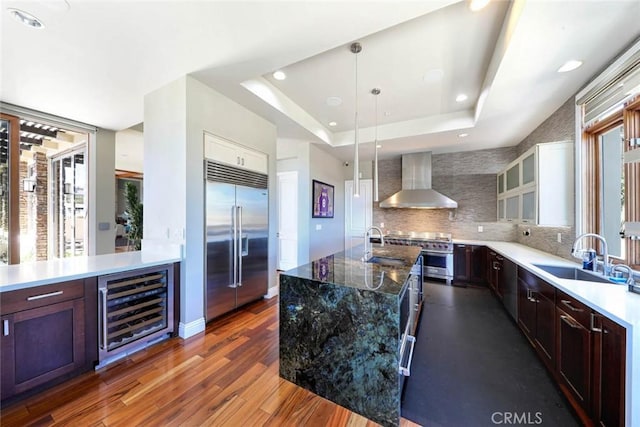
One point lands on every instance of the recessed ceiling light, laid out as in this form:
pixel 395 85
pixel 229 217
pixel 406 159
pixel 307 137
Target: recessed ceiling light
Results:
pixel 463 135
pixel 460 98
pixel 332 124
pixel 26 18
pixel 279 75
pixel 476 5
pixel 378 146
pixel 569 66
pixel 334 101
pixel 433 76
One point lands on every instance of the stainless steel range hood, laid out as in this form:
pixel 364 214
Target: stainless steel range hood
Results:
pixel 416 186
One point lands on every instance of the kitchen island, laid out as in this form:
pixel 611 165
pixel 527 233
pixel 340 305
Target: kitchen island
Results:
pixel 340 329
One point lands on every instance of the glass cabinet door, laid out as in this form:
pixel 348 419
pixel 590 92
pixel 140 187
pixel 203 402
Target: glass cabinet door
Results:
pixel 512 210
pixel 528 169
pixel 529 206
pixel 501 183
pixel 501 209
pixel 513 177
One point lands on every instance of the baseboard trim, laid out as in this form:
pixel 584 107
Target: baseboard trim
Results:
pixel 186 330
pixel 272 292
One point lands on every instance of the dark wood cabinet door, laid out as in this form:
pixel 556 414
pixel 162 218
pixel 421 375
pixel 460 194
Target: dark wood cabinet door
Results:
pixel 608 372
pixel 41 344
pixel 574 357
pixel 526 310
pixel 546 329
pixel 477 264
pixel 460 263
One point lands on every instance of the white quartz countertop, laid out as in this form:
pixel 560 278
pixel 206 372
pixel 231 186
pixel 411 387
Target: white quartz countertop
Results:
pixel 38 273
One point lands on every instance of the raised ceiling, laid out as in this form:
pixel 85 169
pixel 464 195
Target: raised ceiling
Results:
pixel 95 60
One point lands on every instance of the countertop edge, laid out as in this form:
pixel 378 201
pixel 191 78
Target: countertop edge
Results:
pixel 39 273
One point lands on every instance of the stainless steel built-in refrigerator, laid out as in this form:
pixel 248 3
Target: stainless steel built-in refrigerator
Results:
pixel 236 237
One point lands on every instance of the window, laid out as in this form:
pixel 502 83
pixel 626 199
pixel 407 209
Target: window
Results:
pixel 609 192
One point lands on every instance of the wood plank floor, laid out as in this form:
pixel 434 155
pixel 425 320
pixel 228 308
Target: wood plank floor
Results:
pixel 227 376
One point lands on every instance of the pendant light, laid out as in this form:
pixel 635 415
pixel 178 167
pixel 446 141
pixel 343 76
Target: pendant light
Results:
pixel 375 92
pixel 355 49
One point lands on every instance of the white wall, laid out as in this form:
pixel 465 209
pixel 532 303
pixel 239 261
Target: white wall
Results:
pixel 313 163
pixel 130 150
pixel 102 192
pixel 164 191
pixel 330 238
pixel 176 117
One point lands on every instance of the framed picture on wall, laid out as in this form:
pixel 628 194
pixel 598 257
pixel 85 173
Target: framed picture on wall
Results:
pixel 321 200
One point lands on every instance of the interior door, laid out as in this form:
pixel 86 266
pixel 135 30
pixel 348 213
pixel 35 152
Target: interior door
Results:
pixel 253 246
pixel 220 292
pixel 287 220
pixel 358 214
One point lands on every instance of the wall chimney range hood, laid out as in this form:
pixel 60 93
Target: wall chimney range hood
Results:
pixel 416 190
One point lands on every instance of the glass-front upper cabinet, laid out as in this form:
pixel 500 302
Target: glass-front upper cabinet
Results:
pixel 529 206
pixel 538 186
pixel 529 169
pixel 513 177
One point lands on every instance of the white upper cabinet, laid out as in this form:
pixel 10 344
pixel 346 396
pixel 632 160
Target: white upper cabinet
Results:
pixel 537 187
pixel 223 151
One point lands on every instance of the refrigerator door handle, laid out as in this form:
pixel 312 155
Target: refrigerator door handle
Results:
pixel 234 222
pixel 240 253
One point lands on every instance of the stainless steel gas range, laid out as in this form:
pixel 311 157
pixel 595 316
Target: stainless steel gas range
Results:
pixel 437 251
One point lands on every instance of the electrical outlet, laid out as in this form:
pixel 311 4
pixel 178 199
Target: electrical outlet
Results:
pixel 318 227
pixel 382 225
pixel 480 229
pixel 559 237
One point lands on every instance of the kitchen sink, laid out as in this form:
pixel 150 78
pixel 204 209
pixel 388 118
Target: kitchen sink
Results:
pixel 388 261
pixel 572 273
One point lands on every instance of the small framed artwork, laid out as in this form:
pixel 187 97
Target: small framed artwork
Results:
pixel 322 200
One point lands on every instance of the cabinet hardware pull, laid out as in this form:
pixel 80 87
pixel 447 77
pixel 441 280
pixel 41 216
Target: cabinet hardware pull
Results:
pixel 568 304
pixel 5 327
pixel 593 327
pixel 570 322
pixel 499 258
pixel 103 317
pixel 50 294
pixel 407 371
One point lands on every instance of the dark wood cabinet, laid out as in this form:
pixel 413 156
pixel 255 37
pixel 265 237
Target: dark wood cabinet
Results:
pixel 574 357
pixel 44 335
pixel 469 263
pixel 491 273
pixel 608 373
pixel 537 314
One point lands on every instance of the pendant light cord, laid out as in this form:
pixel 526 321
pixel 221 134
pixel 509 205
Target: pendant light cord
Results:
pixel 356 48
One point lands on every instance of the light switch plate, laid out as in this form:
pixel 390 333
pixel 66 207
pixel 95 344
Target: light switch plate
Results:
pixel 318 227
pixel 480 229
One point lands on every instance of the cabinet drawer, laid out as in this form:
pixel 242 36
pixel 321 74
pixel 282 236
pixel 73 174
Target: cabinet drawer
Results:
pixel 577 310
pixel 537 284
pixel 39 296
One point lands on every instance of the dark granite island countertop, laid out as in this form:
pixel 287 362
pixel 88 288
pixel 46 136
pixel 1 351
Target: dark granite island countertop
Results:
pixel 340 329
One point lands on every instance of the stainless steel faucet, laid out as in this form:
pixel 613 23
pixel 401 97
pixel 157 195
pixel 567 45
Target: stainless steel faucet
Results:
pixel 605 252
pixel 630 279
pixel 367 243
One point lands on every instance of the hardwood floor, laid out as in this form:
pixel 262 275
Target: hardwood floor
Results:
pixel 227 376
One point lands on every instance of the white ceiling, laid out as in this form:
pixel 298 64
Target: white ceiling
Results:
pixel 95 60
